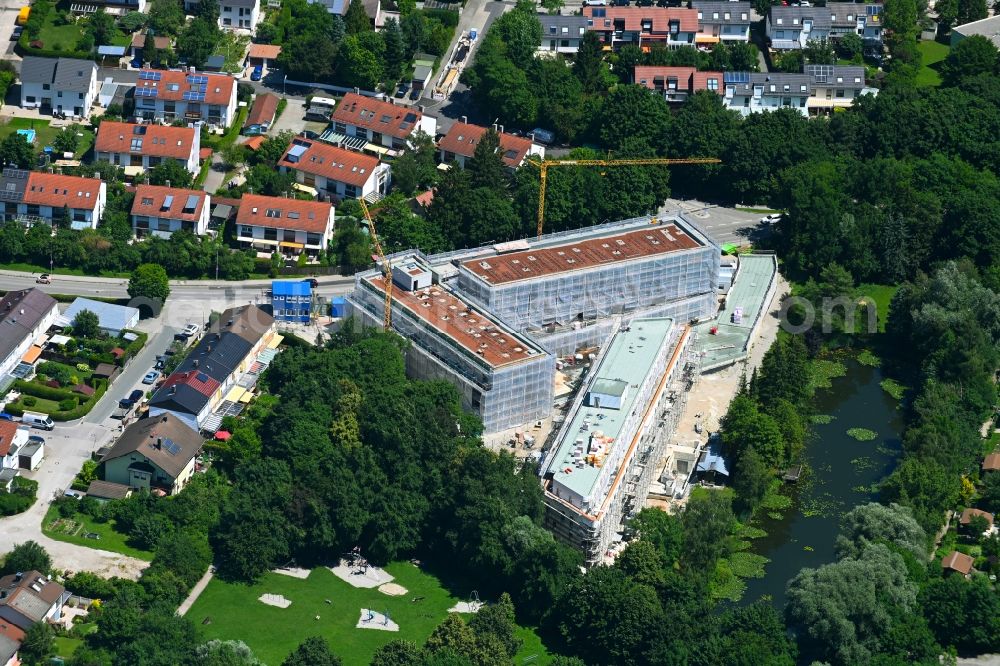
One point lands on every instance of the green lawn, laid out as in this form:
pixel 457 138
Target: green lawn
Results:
pixel 110 539
pixel 65 646
pixel 60 37
pixel 230 611
pixel 44 133
pixel 882 295
pixel 933 53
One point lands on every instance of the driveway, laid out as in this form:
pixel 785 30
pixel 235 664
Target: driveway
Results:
pixel 292 119
pixel 8 19
pixel 66 449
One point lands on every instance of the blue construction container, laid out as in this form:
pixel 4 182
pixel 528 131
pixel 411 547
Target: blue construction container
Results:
pixel 291 300
pixel 338 307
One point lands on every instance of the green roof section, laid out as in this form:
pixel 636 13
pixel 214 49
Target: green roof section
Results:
pixel 756 274
pixel 621 371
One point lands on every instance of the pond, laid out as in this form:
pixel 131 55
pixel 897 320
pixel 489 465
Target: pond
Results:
pixel 842 473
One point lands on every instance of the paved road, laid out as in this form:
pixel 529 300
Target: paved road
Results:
pixel 8 19
pixel 190 300
pixel 478 14
pixel 131 377
pixel 725 225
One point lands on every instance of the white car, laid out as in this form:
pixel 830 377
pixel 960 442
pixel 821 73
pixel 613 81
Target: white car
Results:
pixel 191 329
pixel 771 219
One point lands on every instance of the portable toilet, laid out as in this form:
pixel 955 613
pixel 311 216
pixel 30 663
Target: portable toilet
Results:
pixel 338 307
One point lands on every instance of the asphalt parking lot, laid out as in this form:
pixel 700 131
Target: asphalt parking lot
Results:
pixel 725 225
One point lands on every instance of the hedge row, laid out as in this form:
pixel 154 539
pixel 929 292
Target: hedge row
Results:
pixel 49 393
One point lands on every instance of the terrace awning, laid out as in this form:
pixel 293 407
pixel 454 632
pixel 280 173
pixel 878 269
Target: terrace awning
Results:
pixel 235 394
pixel 706 39
pixel 297 246
pixel 275 341
pixel 32 354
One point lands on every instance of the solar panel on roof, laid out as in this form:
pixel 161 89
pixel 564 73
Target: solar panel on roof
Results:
pixel 736 77
pixel 145 92
pixel 172 447
pixel 197 78
pixel 193 96
pixel 150 76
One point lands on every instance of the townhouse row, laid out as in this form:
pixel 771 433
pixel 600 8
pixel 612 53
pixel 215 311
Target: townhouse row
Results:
pixel 817 90
pixel 708 22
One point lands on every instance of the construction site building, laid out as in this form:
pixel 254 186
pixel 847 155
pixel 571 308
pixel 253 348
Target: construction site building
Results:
pixel 501 375
pixel 566 289
pixel 597 472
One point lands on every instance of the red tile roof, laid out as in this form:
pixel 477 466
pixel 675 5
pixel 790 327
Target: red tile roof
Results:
pixel 462 138
pixel 634 16
pixel 957 561
pixel 322 159
pixel 139 41
pixel 377 115
pixel 254 142
pixel 49 189
pixel 173 84
pixel 968 514
pixel 7 431
pixel 991 462
pixel 264 51
pixel 263 110
pixel 689 79
pixel 199 381
pixel 156 140
pixel 310 216
pixel 11 631
pixel 149 200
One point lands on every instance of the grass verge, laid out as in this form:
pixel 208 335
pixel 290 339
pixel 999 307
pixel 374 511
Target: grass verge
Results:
pixel 933 54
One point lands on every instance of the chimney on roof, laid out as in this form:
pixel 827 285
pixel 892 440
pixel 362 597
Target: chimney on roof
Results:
pixel 164 420
pixel 420 108
pixel 196 363
pixel 159 442
pixel 168 183
pixel 501 129
pixel 494 127
pixel 465 119
pixel 357 91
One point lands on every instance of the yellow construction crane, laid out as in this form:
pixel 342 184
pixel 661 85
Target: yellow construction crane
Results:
pixel 544 165
pixel 386 266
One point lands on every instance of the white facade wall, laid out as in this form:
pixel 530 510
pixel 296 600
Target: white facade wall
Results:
pixel 148 225
pixel 239 18
pixel 35 95
pixel 9 363
pixel 378 182
pixel 151 108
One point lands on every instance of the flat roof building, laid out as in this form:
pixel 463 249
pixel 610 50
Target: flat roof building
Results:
pixel 113 319
pixel 502 376
pixel 563 289
pixel 598 470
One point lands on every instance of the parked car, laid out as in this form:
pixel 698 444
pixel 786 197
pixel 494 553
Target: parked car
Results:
pixel 44 278
pixel 36 439
pixel 133 398
pixel 161 362
pixel 257 74
pixel 402 90
pixel 37 420
pixel 191 329
pixel 771 218
pixel 151 377
pixel 543 135
pixel 6 417
pixel 313 282
pixel 16 35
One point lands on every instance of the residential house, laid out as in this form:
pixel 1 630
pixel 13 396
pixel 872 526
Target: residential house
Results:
pixel 677 83
pixel 65 85
pixel 379 124
pixel 834 86
pixel 144 146
pixel 160 211
pixel 160 42
pixel 25 315
pixel 157 452
pixel 561 34
pixel 372 7
pixel 864 19
pixel 721 21
pixel 957 562
pixel 334 172
pixel 242 15
pixel 289 226
pixel 291 300
pixel 643 26
pixel 752 92
pixel 12 439
pixel 168 95
pixel 215 368
pixel 29 597
pixel 966 519
pixel 790 27
pixel 991 463
pixel 261 114
pixel 103 491
pixel 34 197
pixel 112 319
pixel 459 145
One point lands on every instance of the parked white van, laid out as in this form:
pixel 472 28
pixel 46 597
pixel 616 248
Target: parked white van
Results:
pixel 36 420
